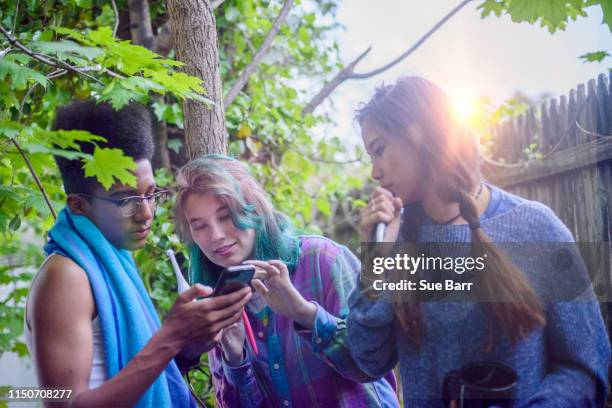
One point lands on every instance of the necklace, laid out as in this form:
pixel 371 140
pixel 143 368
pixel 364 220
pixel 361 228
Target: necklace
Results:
pixel 476 197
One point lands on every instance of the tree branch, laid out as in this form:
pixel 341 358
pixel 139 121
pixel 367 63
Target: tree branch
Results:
pixel 217 3
pixel 45 59
pixel 116 11
pixel 5 51
pixel 51 75
pixel 415 46
pixel 36 179
pixel 333 84
pixel 16 16
pixel 347 73
pixel 263 49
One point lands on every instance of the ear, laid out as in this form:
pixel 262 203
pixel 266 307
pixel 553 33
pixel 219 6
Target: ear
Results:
pixel 78 204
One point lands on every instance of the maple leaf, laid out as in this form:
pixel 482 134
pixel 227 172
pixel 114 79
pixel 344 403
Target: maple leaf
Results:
pixel 552 14
pixel 106 165
pixel 596 56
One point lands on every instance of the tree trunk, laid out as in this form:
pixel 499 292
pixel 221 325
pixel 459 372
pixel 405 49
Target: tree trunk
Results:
pixel 194 31
pixel 141 33
pixel 161 157
pixel 140 23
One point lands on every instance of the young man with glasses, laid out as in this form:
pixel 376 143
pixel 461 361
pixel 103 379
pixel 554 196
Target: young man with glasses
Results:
pixel 90 325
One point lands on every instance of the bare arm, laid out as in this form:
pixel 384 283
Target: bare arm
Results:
pixel 61 312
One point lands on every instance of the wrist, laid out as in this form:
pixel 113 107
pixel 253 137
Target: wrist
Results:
pixel 170 340
pixel 305 314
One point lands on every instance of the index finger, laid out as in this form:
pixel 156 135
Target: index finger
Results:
pixel 223 301
pixel 398 203
pixel 261 273
pixel 193 292
pixel 378 191
pixel 280 265
pixel 269 268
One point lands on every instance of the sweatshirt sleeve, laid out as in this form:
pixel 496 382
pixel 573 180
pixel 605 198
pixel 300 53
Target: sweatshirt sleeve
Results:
pixel 328 338
pixel 576 337
pixel 371 333
pixel 579 356
pixel 234 386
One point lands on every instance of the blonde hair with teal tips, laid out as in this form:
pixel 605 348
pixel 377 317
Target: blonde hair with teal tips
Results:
pixel 231 181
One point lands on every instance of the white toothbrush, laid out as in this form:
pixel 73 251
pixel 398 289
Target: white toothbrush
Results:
pixel 180 280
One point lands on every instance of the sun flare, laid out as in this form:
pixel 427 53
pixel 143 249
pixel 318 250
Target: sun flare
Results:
pixel 464 107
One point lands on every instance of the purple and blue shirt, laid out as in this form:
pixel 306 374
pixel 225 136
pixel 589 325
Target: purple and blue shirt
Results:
pixel 296 367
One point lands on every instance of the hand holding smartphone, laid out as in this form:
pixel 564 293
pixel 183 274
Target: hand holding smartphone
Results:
pixel 233 278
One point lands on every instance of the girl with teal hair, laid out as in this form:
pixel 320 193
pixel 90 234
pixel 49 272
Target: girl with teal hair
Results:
pixel 298 312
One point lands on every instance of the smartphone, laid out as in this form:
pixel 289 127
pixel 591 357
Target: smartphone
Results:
pixel 234 278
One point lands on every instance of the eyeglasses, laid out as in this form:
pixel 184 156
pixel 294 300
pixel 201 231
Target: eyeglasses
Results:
pixel 129 206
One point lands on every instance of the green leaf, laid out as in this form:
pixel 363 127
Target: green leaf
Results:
pixel 147 71
pixel 20 75
pixel 178 82
pixel 34 199
pixel 129 58
pixel 7 96
pixel 102 36
pixel 9 193
pixel 23 59
pixel 37 148
pixel 175 145
pixel 108 165
pixel 323 205
pixel 15 222
pixel 137 83
pixel 118 95
pixel 69 138
pixel 606 7
pixel 552 13
pixel 492 6
pixel 21 349
pixel 10 129
pixel 67 50
pixel 74 34
pixel 596 56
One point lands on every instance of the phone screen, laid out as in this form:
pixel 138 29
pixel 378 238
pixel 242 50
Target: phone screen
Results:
pixel 234 278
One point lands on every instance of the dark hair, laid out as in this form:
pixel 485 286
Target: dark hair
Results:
pixel 418 111
pixel 128 129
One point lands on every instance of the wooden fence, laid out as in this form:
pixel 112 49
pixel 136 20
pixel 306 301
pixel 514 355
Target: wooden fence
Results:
pixel 574 175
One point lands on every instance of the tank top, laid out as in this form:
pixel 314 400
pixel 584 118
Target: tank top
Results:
pixel 98 368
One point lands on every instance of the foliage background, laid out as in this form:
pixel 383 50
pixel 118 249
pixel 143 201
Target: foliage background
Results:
pixel 265 123
pixel 312 179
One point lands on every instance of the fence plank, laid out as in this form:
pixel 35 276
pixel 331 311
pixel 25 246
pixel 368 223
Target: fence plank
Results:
pixel 580 115
pixel 605 110
pixel 545 130
pixel 555 130
pixel 586 154
pixel 572 111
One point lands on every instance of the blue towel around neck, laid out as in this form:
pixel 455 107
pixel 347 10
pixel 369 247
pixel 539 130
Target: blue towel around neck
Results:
pixel 127 316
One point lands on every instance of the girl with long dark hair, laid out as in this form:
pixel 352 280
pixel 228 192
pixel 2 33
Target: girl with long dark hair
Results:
pixel 428 164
